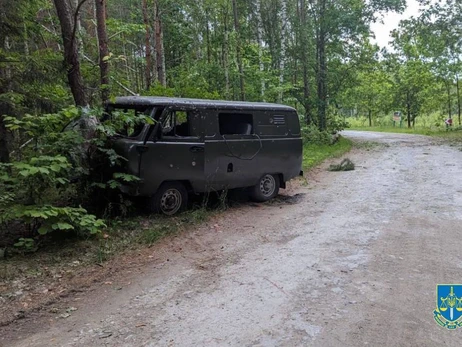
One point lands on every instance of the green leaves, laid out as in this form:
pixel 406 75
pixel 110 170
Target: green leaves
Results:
pixel 112 156
pixel 39 126
pixel 37 190
pixel 32 189
pixel 32 182
pixel 26 244
pixel 118 180
pixel 45 168
pixel 125 177
pixel 53 218
pixel 62 226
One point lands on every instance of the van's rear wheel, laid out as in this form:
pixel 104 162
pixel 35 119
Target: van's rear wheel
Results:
pixel 266 188
pixel 170 198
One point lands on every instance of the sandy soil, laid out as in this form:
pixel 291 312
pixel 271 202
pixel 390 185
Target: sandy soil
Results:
pixel 352 259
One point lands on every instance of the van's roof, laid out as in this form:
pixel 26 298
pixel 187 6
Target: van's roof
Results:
pixel 164 101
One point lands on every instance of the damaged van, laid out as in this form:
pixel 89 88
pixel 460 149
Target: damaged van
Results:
pixel 197 146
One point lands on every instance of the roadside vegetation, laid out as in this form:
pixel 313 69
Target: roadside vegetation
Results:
pixel 315 153
pixel 391 129
pixel 428 125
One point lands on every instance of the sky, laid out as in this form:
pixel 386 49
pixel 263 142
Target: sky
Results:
pixel 391 21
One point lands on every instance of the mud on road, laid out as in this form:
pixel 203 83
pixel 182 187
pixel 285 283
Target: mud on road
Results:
pixel 353 261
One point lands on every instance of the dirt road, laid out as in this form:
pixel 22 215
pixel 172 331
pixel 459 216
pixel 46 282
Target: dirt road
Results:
pixel 354 261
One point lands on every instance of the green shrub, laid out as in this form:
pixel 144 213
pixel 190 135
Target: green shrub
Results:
pixel 336 123
pixel 312 135
pixel 41 186
pixel 32 191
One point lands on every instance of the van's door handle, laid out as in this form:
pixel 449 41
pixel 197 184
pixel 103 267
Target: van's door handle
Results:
pixel 142 148
pixel 196 149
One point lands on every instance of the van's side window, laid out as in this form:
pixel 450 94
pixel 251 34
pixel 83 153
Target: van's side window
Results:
pixel 235 124
pixel 177 123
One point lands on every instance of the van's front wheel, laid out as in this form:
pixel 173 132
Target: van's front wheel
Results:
pixel 266 188
pixel 170 198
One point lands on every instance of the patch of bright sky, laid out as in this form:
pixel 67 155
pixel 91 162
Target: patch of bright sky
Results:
pixel 390 22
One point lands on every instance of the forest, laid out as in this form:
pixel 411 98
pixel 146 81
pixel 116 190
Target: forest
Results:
pixel 61 60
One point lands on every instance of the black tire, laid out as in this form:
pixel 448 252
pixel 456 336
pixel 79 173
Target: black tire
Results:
pixel 171 198
pixel 266 188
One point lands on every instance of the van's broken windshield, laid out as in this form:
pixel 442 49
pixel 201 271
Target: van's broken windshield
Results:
pixel 129 122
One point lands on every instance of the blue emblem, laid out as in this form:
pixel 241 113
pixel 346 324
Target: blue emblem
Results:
pixel 448 311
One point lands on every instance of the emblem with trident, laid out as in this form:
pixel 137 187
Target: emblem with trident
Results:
pixel 451 301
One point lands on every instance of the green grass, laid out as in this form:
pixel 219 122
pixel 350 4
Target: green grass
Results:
pixel 454 135
pixel 146 230
pixel 405 130
pixel 315 154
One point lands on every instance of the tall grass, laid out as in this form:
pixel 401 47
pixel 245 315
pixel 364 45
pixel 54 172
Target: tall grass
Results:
pixel 316 153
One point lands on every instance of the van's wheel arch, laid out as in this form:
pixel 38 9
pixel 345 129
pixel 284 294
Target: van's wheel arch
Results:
pixel 170 198
pixel 266 188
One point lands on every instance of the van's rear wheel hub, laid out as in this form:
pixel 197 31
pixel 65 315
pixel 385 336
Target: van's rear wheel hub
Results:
pixel 267 185
pixel 171 201
pixel 266 188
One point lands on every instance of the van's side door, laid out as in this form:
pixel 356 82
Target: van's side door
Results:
pixel 232 149
pixel 176 151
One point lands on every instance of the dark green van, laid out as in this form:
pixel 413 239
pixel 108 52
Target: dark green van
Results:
pixel 197 146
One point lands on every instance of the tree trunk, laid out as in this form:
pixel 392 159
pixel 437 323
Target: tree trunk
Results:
pixel 448 89
pixel 78 28
pixel 408 109
pixel 282 57
pixel 458 98
pixel 226 52
pixel 26 40
pixel 207 36
pixel 5 108
pixel 147 43
pixel 4 145
pixel 322 73
pixel 4 111
pixel 238 51
pixel 71 57
pixel 160 54
pixel 304 44
pixel 139 70
pixel 260 50
pixel 55 30
pixel 370 118
pixel 100 6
